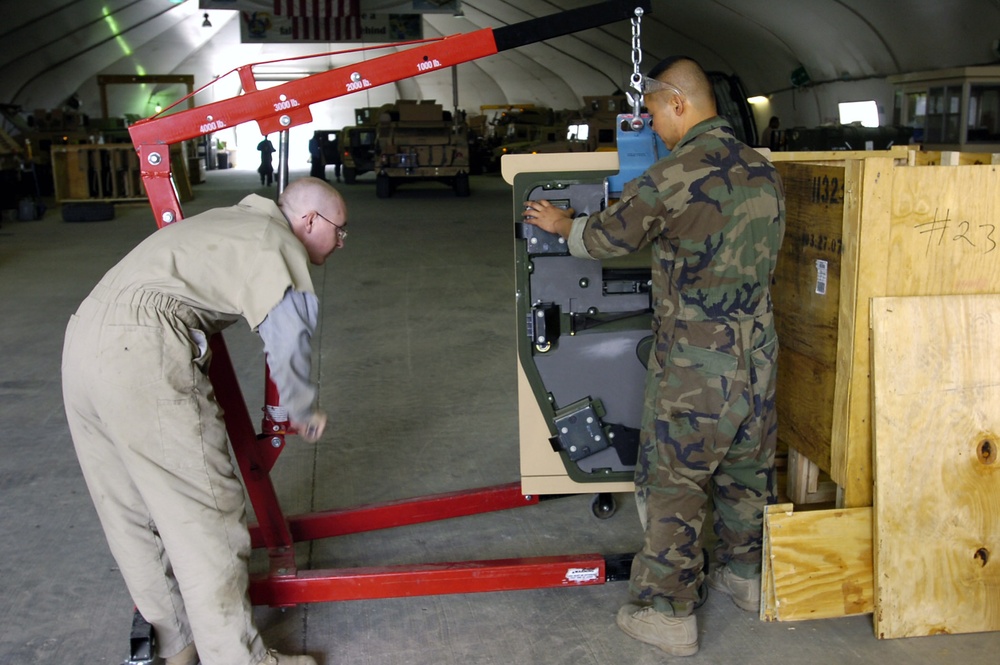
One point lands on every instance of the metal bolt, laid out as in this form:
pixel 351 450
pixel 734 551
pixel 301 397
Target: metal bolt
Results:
pixel 167 217
pixel 285 121
pixel 154 158
pixel 584 282
pixel 355 77
pixel 275 428
pixel 276 441
pixel 282 98
pixel 210 118
pixel 637 123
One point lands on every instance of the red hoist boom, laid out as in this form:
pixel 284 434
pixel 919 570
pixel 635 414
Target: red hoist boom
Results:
pixel 276 110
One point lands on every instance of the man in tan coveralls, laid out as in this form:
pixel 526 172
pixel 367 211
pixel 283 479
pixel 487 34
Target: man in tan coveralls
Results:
pixel 147 429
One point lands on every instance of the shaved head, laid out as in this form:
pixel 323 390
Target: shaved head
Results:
pixel 309 194
pixel 317 216
pixel 688 98
pixel 686 74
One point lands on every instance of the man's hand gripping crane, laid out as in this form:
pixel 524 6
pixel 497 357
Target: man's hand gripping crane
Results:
pixel 276 110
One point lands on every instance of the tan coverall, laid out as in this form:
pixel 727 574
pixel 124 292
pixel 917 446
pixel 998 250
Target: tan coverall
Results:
pixel 148 431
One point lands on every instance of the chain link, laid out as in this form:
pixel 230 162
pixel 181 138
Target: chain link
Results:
pixel 636 61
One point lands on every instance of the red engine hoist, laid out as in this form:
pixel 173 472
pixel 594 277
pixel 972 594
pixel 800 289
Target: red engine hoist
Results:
pixel 276 110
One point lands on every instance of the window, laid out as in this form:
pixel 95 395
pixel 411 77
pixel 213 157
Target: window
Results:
pixel 864 112
pixel 984 114
pixel 578 132
pixel 943 113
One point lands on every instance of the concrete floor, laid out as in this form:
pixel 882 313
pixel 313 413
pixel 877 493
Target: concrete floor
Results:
pixel 416 363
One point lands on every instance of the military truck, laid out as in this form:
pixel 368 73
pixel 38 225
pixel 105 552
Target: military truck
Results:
pixel 357 144
pixel 521 128
pixel 419 141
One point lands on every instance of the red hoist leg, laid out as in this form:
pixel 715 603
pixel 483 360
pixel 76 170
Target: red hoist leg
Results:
pixel 285 585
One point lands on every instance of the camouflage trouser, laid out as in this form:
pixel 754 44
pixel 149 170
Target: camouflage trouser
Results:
pixel 709 425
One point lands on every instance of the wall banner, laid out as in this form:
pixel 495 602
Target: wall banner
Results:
pixel 264 27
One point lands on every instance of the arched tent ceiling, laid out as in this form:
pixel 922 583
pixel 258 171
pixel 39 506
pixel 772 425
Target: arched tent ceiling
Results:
pixel 55 48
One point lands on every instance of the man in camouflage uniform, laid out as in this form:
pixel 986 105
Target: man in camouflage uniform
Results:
pixel 714 213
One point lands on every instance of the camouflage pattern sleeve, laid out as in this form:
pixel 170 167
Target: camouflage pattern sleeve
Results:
pixel 630 224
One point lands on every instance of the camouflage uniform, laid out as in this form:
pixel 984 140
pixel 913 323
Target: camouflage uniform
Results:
pixel 714 214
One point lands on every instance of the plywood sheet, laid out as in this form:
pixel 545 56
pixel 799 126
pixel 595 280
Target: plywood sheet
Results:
pixel 768 607
pixel 924 231
pixel 945 232
pixel 820 563
pixel 936 388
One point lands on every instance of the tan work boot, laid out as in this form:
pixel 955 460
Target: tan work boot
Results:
pixel 745 591
pixel 187 656
pixel 275 658
pixel 678 636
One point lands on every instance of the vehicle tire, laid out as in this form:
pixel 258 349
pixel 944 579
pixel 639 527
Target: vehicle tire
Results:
pixel 350 175
pixel 462 184
pixel 383 186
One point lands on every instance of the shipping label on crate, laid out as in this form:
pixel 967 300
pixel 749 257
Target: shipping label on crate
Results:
pixel 821 273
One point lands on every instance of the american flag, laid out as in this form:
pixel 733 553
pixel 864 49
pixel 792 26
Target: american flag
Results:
pixel 329 29
pixel 317 8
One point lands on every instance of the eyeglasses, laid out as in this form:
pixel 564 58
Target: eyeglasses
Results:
pixel 341 231
pixel 649 86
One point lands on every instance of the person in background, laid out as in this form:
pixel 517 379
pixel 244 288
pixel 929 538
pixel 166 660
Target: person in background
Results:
pixel 713 212
pixel 266 168
pixel 771 136
pixel 317 168
pixel 147 428
pixel 338 159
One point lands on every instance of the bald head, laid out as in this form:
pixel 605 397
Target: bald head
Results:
pixel 308 194
pixel 686 74
pixel 688 101
pixel 317 215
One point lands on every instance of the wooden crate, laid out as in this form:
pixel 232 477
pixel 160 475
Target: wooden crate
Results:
pixel 951 158
pixel 884 228
pixel 108 172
